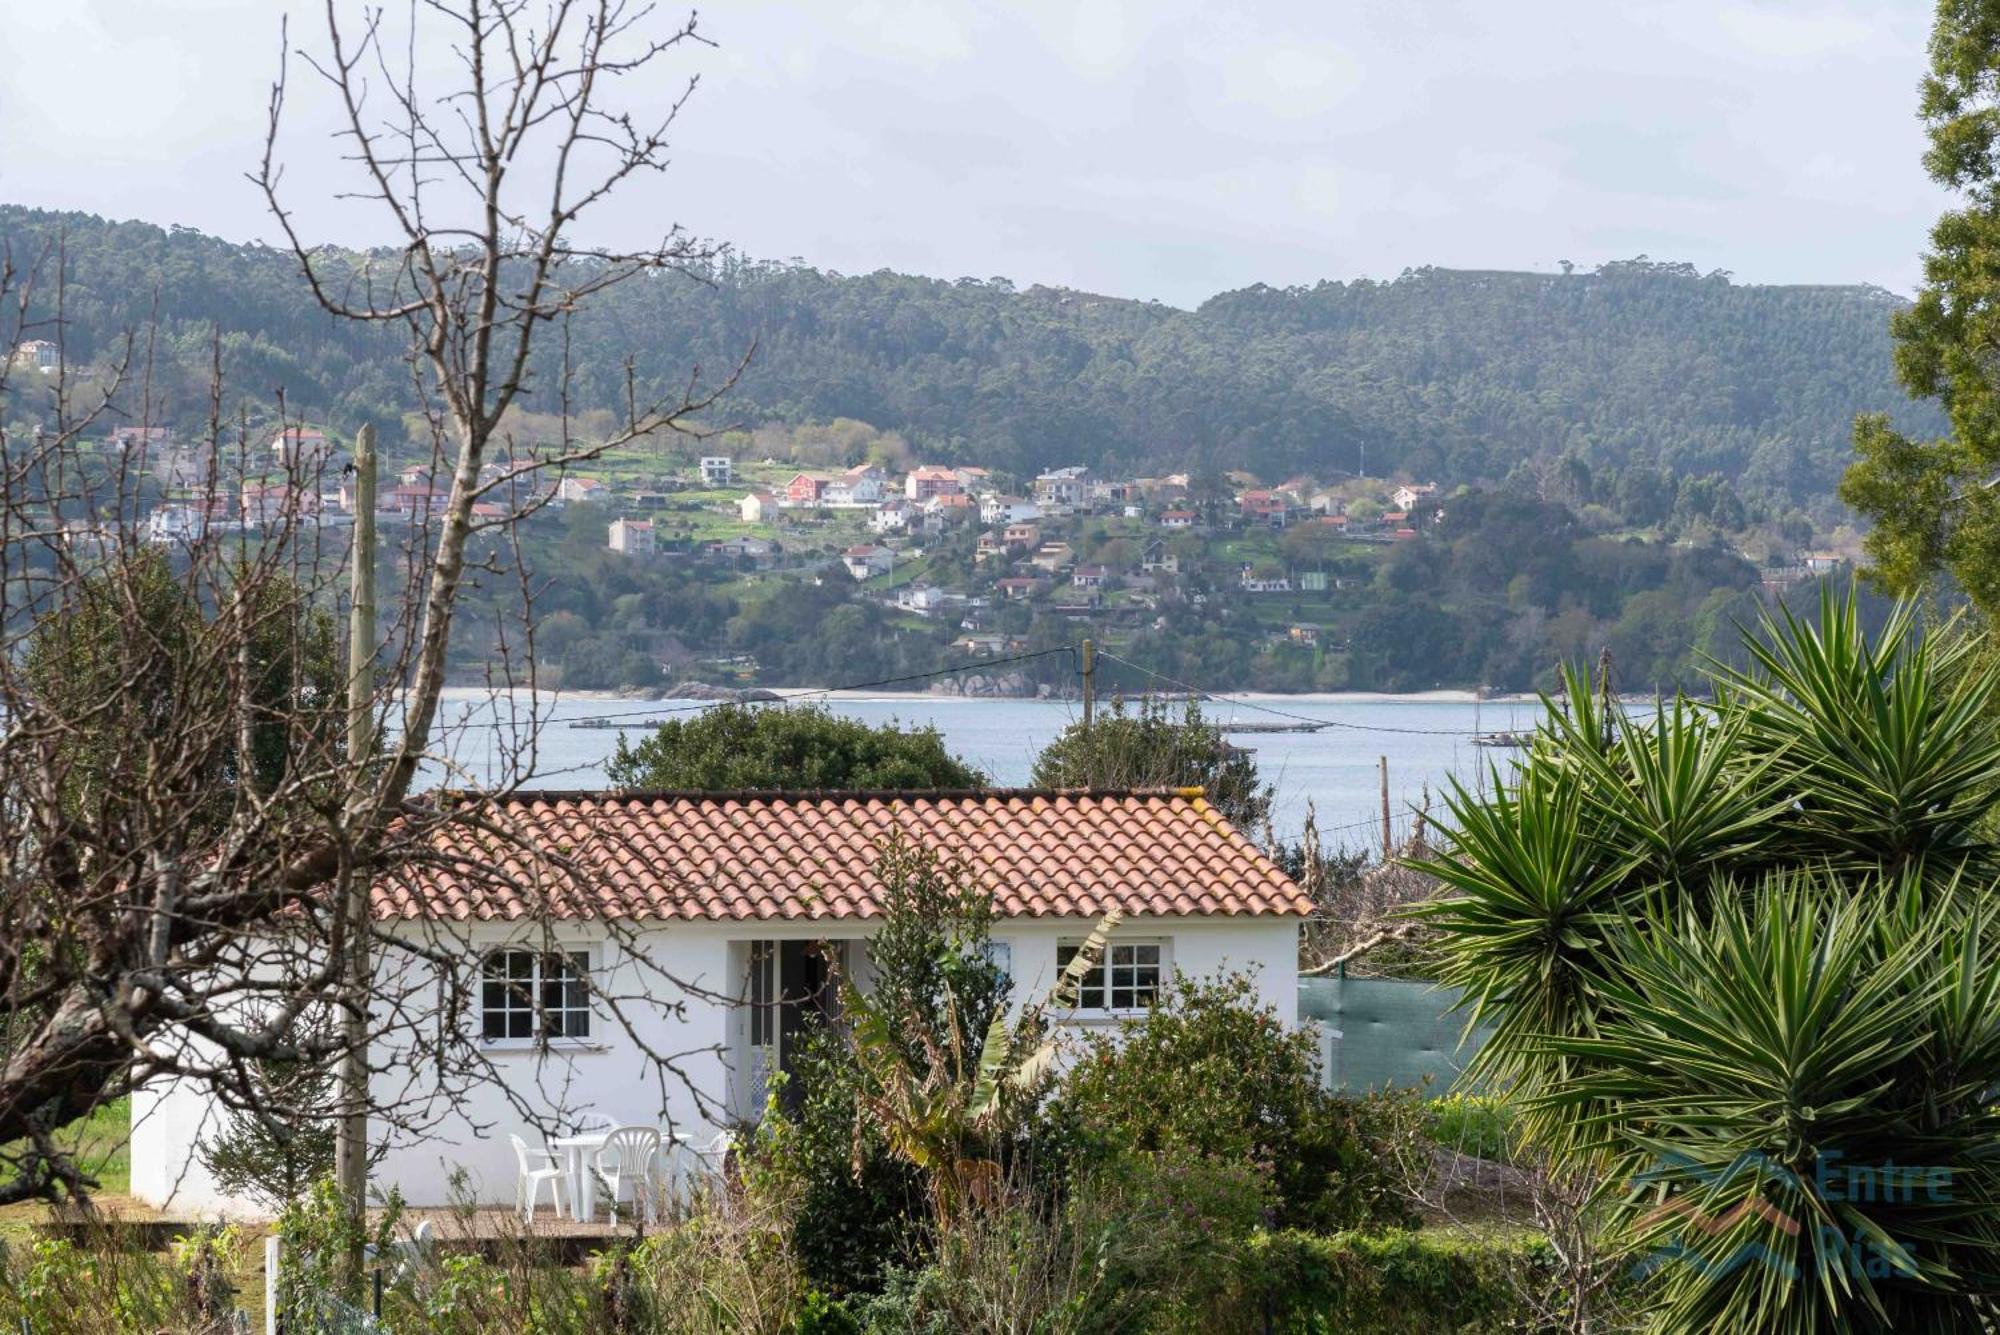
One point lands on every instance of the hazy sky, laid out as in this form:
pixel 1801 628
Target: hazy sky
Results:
pixel 1148 148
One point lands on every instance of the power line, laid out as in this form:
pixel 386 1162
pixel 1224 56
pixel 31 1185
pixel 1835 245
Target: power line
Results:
pixel 1201 694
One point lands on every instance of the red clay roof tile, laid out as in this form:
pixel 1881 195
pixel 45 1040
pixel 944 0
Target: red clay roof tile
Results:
pixel 693 856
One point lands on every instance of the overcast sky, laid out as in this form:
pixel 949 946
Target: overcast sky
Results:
pixel 1147 148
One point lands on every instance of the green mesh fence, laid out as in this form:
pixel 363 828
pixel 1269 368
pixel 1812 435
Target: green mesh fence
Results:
pixel 1377 1033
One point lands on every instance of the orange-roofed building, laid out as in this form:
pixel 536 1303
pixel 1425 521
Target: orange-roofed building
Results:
pixel 718 922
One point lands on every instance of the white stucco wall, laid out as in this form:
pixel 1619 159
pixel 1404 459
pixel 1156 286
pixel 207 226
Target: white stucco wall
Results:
pixel 669 992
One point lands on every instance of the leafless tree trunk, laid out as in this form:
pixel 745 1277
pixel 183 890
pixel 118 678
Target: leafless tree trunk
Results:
pixel 180 802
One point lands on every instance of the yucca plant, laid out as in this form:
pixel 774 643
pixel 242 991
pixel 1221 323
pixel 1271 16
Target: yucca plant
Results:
pixel 1731 946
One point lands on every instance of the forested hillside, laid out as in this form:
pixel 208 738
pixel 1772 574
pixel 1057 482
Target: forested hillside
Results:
pixel 1639 369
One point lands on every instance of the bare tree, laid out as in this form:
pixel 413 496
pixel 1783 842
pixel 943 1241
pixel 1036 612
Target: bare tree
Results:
pixel 181 802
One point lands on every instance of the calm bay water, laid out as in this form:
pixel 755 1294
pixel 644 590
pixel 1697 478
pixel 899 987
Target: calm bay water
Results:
pixel 1425 740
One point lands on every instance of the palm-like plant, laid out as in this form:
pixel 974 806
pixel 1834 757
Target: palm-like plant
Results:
pixel 1737 951
pixel 942 1109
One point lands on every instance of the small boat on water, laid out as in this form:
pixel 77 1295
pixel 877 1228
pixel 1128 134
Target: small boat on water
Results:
pixel 1272 727
pixel 1506 737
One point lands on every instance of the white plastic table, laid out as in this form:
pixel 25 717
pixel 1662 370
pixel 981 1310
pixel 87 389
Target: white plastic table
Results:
pixel 576 1151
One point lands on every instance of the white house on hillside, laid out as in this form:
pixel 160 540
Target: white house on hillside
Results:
pixel 633 537
pixel 596 927
pixel 717 470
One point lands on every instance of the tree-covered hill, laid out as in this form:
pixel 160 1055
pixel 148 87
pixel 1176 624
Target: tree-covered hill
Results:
pixel 1467 376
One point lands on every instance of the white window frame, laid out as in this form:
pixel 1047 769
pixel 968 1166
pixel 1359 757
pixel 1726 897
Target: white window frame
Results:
pixel 1120 953
pixel 577 955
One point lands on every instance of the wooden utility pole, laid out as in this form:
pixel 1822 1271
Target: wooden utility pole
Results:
pixel 1089 680
pixel 1386 847
pixel 350 1152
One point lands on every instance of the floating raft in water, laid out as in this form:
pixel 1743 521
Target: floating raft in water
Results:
pixel 1274 727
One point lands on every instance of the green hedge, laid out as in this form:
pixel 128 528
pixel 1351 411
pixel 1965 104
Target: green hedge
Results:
pixel 1386 1283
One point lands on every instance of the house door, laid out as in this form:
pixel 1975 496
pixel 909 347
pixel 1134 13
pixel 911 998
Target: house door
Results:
pixel 790 982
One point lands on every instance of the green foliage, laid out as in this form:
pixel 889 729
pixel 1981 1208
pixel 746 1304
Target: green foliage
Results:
pixel 1932 501
pixel 1733 950
pixel 786 747
pixel 133 664
pixel 1146 747
pixel 1443 373
pixel 1396 1283
pixel 1211 1072
pixel 54 1286
pixel 864 1202
pixel 275 1151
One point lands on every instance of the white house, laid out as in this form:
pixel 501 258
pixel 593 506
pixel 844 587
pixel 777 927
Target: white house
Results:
pixel 893 517
pixel 36 354
pixel 923 599
pixel 867 560
pixel 1063 488
pixel 717 470
pixel 1008 510
pixel 1407 496
pixel 633 537
pixel 708 926
pixel 930 480
pixel 759 507
pixel 581 489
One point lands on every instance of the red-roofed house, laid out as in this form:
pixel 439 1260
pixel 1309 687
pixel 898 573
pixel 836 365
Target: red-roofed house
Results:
pixel 805 489
pixel 928 481
pixel 575 932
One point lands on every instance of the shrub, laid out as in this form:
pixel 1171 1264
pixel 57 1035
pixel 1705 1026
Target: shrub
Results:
pixel 1740 952
pixel 861 1209
pixel 1210 1073
pixel 1394 1283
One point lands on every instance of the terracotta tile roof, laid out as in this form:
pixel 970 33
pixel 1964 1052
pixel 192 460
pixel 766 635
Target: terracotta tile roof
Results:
pixel 764 855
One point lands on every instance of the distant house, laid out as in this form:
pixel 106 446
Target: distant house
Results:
pixel 1406 497
pixel 150 438
pixel 262 505
pixel 1158 558
pixel 1089 577
pixel 923 599
pixel 1395 519
pixel 1303 634
pixel 1023 536
pixel 892 517
pixel 1008 510
pixel 868 560
pixel 1251 582
pixel 717 470
pixel 981 645
pixel 757 549
pixel 1016 587
pixel 581 489
pixel 858 486
pixel 1819 563
pixel 952 506
pixel 409 505
pixel 1178 519
pixel 633 537
pixel 416 475
pixel 1273 509
pixel 1052 556
pixel 973 479
pixel 1334 521
pixel 928 481
pixel 1063 488
pixel 292 444
pixel 759 507
pixel 35 354
pixel 805 489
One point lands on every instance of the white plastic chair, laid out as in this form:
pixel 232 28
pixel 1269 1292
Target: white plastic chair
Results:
pixel 528 1186
pixel 626 1159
